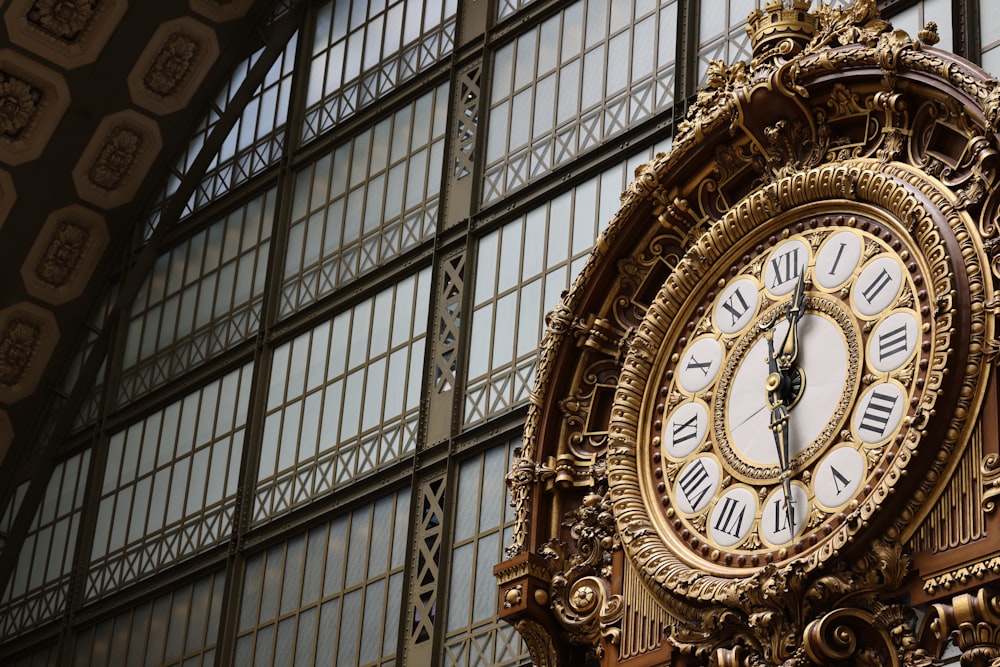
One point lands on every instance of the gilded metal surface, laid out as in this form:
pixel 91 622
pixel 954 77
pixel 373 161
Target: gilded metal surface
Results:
pixel 973 621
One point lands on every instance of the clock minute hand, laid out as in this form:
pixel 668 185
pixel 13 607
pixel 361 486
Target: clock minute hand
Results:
pixel 779 425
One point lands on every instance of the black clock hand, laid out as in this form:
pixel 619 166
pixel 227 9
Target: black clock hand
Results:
pixel 779 425
pixel 793 313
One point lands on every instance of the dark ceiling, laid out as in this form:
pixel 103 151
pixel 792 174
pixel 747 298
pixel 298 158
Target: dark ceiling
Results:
pixel 97 100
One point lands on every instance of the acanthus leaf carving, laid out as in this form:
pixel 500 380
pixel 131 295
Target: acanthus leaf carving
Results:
pixel 115 159
pixel 580 590
pixel 63 254
pixel 172 64
pixel 789 617
pixel 18 345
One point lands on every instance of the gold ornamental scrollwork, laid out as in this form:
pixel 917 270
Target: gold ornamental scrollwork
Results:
pixel 580 589
pixel 973 622
pixel 786 617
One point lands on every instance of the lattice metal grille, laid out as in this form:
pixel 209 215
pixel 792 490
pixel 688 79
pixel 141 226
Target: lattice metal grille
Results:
pixel 330 596
pixel 344 398
pixel 581 77
pixel 363 50
pixel 425 560
pixel 170 484
pixel 449 323
pixel 467 121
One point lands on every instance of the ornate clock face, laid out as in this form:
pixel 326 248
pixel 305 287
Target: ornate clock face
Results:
pixel 783 390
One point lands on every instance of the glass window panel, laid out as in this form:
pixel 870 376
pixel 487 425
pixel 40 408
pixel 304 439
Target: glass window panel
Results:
pixel 392 62
pixel 722 34
pixel 390 192
pixel 190 492
pixel 375 430
pixel 357 598
pixel 914 18
pixel 518 152
pixel 212 315
pixel 500 365
pixel 39 583
pixel 476 547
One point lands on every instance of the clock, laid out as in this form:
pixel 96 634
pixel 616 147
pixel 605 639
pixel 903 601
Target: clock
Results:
pixel 777 392
pixel 787 387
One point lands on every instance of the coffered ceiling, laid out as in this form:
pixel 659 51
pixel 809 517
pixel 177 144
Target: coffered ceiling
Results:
pixel 97 97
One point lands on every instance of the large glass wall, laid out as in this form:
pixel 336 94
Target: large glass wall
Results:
pixel 295 450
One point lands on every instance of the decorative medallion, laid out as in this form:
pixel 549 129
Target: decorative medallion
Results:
pixel 65 20
pixel 173 65
pixel 68 248
pixel 28 334
pixel 33 99
pixel 117 159
pixel 69 33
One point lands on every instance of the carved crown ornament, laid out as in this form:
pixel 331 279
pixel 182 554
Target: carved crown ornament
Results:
pixel 841 133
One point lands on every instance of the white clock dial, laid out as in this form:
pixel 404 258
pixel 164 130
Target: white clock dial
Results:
pixel 877 286
pixel 838 477
pixel 784 265
pixel 696 484
pixel 879 412
pixel 732 516
pixel 774 514
pixel 837 259
pixel 700 364
pixel 685 429
pixel 893 342
pixel 824 364
pixel 737 305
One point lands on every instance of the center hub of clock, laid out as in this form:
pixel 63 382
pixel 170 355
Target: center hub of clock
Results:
pixel 786 385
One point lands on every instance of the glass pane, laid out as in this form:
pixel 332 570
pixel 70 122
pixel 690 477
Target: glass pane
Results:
pixel 604 83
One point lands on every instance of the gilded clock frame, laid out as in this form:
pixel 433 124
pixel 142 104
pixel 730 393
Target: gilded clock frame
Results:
pixel 836 305
pixel 862 187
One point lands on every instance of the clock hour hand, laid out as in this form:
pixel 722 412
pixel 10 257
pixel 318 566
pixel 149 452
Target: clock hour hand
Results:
pixel 793 313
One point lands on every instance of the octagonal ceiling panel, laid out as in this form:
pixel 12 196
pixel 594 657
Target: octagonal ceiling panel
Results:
pixel 33 100
pixel 28 334
pixel 65 254
pixel 173 65
pixel 68 33
pixel 117 159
